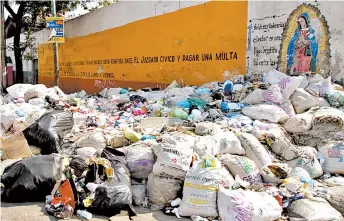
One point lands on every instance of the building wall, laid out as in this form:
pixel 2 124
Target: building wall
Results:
pixel 193 45
pixel 154 28
pixel 273 36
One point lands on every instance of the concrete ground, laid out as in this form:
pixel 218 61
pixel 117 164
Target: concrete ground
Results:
pixel 36 212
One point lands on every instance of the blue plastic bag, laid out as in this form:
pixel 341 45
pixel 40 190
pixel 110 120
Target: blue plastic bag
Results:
pixel 202 90
pixel 228 88
pixel 183 104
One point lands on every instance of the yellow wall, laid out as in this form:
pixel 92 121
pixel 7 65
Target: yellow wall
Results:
pixel 89 62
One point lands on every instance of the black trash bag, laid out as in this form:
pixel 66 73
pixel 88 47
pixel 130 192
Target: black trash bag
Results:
pixel 30 179
pixel 48 131
pixel 78 164
pixel 114 195
pixel 137 98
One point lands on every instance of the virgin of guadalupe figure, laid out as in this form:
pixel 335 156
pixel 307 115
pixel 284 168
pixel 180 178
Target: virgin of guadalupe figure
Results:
pixel 303 48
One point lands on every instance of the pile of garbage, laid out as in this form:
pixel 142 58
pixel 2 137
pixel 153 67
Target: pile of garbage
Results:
pixel 269 148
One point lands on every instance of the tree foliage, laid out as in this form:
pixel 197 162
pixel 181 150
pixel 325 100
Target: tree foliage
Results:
pixel 29 18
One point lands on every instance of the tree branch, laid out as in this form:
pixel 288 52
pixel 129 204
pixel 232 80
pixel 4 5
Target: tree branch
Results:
pixel 9 9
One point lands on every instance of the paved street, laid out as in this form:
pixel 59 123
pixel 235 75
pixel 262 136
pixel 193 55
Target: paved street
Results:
pixel 36 212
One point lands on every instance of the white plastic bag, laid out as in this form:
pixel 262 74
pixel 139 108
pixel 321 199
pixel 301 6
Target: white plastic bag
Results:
pixel 227 142
pixel 96 140
pixel 274 76
pixel 314 78
pixel 288 85
pixel 310 163
pixel 275 172
pixel 200 188
pixel 116 139
pixel 288 108
pixel 334 157
pixel 271 113
pixel 320 88
pixel 224 142
pixel 139 191
pixel 246 205
pixel 7 118
pixel 304 83
pixel 140 160
pixel 328 119
pixel 254 149
pixel 302 101
pixel 273 94
pixel 316 209
pixel 173 158
pixel 255 97
pixel 242 166
pixel 18 90
pixel 162 190
pixel 36 91
pixel 281 145
pixel 299 123
pixel 207 128
pixel 37 101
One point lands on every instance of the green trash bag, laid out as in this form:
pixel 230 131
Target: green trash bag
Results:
pixel 179 113
pixel 198 102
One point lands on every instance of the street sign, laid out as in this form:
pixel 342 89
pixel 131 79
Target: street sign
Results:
pixel 57 26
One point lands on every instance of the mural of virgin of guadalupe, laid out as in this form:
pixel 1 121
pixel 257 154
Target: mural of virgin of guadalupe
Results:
pixel 303 48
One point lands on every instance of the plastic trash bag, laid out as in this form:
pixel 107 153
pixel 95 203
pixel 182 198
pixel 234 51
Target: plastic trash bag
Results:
pixel 95 139
pixel 140 160
pixel 115 194
pixel 30 179
pixel 275 172
pixel 140 194
pixel 334 157
pixel 328 119
pixel 254 149
pixel 247 205
pixel 48 131
pixel 19 90
pixel 299 123
pixel 255 97
pixel 180 113
pixel 313 210
pixel 288 108
pixel 242 166
pixel 288 85
pixel 173 157
pixel 116 139
pixel 162 190
pixel 274 76
pixel 271 113
pixel 335 98
pixel 308 162
pixel 201 186
pixel 320 88
pixel 302 101
pixel 273 94
pixel 207 128
pixel 37 91
pixel 281 144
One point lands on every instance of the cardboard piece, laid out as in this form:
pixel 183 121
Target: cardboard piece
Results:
pixel 14 147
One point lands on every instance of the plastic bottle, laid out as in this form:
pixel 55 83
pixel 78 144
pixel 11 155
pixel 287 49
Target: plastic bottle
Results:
pixel 176 202
pixel 84 214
